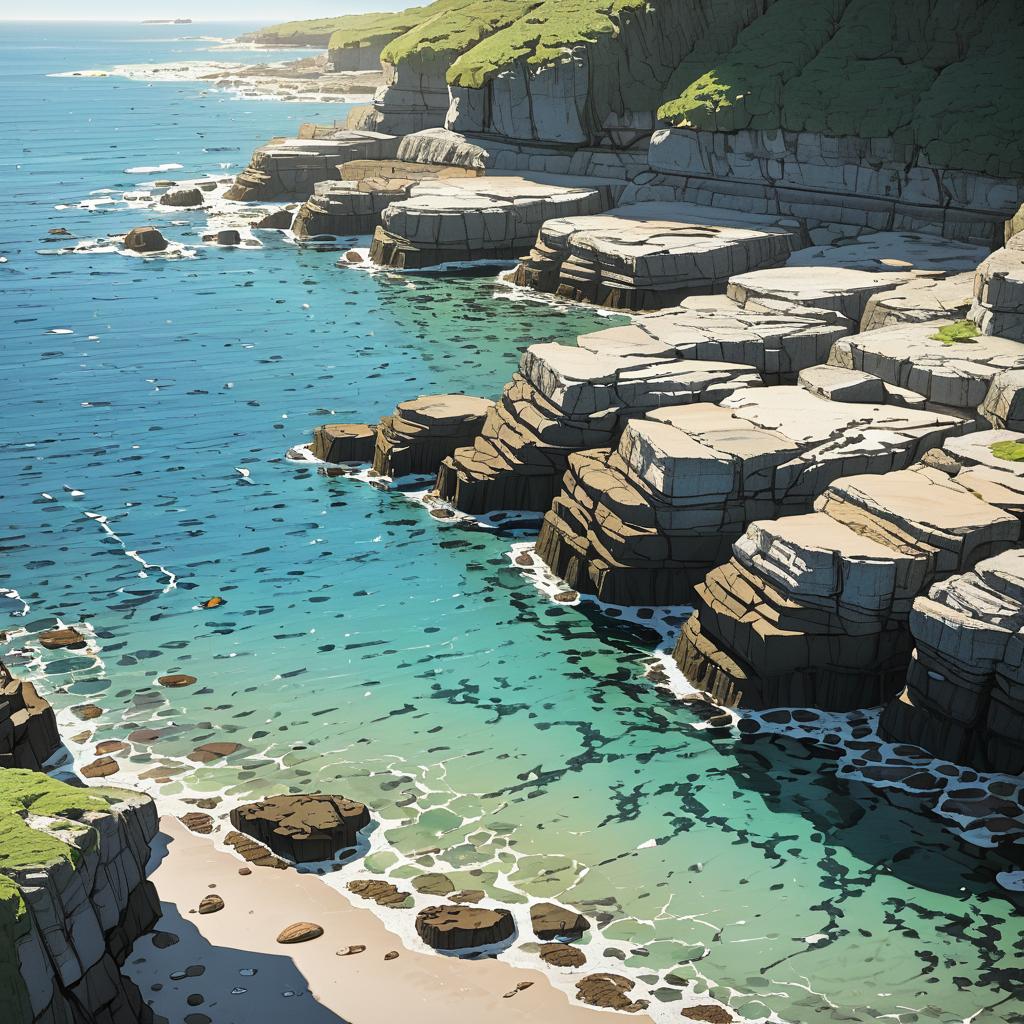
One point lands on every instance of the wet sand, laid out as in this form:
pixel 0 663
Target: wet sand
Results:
pixel 309 981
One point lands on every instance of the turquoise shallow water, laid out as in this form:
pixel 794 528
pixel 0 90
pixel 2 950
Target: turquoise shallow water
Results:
pixel 366 648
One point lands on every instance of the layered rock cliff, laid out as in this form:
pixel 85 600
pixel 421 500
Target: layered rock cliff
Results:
pixel 73 900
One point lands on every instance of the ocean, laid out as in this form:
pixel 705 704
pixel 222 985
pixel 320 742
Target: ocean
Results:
pixel 366 648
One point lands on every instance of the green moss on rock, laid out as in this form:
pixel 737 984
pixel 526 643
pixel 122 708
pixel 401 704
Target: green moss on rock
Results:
pixel 1011 451
pixel 962 330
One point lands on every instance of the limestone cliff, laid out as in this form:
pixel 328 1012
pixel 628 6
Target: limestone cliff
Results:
pixel 73 899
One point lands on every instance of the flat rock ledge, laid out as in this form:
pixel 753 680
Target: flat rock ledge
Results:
pixel 452 927
pixel 423 432
pixel 642 524
pixel 495 217
pixel 303 828
pixel 812 610
pixel 550 921
pixel 353 205
pixel 652 255
pixel 344 442
pixel 610 992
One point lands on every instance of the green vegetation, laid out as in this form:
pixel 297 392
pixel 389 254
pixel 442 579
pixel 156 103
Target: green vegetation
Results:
pixel 1011 451
pixel 962 331
pixel 24 792
pixel 451 27
pixel 350 30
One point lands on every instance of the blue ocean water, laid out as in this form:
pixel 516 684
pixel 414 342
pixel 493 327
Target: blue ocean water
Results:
pixel 363 647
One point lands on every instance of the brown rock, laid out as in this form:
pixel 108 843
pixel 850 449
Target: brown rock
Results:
pixel 609 991
pixel 208 752
pixel 245 871
pixel 111 746
pixel 279 220
pixel 558 954
pixel 550 921
pixel 101 768
pixel 253 852
pixel 344 442
pixel 712 1013
pixel 433 884
pixel 350 950
pixel 353 257
pixel 176 680
pixel 87 711
pixel 302 931
pixel 144 735
pixel 384 894
pixel 60 639
pixel 467 896
pixel 182 197
pixel 210 904
pixel 145 240
pixel 198 822
pixel 303 828
pixel 453 927
pixel 392 955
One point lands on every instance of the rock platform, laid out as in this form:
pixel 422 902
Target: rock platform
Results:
pixel 652 255
pixel 643 524
pixel 495 217
pixel 344 442
pixel 812 610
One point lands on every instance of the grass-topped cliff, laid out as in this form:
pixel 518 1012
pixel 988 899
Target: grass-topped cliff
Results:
pixel 350 29
pixel 946 76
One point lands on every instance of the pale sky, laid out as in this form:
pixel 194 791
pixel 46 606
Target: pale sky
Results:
pixel 199 10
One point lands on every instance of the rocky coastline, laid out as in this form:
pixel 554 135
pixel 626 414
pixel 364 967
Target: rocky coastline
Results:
pixel 810 434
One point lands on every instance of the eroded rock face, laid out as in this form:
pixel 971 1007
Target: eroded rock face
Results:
pixel 567 399
pixel 344 442
pixel 999 292
pixel 145 240
pixel 920 300
pixel 424 431
pixel 651 255
pixel 71 922
pixel 28 726
pixel 964 700
pixel 812 610
pixel 303 828
pixel 463 927
pixel 643 524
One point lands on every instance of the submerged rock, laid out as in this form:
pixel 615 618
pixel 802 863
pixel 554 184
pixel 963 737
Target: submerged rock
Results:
pixel 303 828
pixel 462 927
pixel 146 239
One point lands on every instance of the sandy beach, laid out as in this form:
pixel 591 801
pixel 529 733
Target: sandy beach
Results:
pixel 235 971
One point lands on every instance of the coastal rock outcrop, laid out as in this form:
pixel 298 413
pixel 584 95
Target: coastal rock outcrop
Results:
pixel 344 442
pixel 645 523
pixel 964 699
pixel 73 899
pixel 550 921
pixel 287 168
pixel 999 292
pixel 460 927
pixel 28 726
pixel 919 300
pixel 145 240
pixel 303 828
pixel 813 609
pixel 424 431
pixel 494 217
pixel 64 638
pixel 651 255
pixel 566 399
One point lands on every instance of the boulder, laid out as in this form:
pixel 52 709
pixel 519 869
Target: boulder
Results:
pixel 176 680
pixel 145 240
pixel 301 931
pixel 101 768
pixel 211 904
pixel 550 921
pixel 813 610
pixel 183 197
pixel 229 236
pixel 28 726
pixel 62 639
pixel 998 306
pixel 303 828
pixel 276 220
pixel 610 992
pixel 344 442
pixel 558 954
pixel 461 927
pixel 424 431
